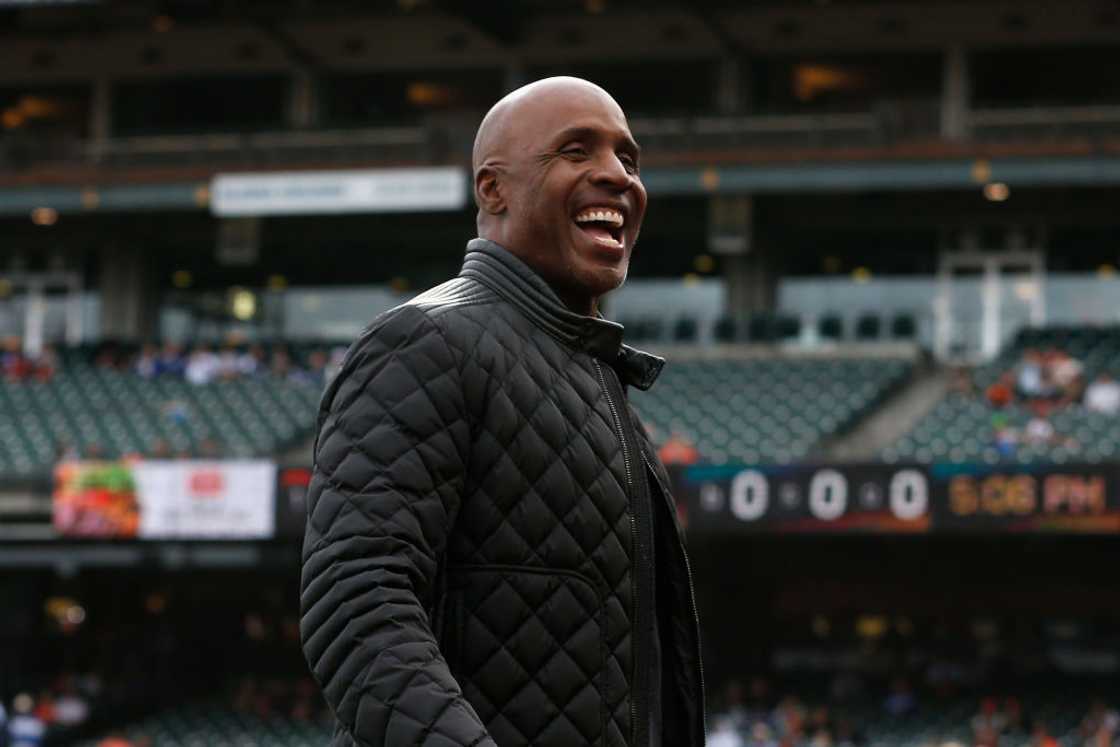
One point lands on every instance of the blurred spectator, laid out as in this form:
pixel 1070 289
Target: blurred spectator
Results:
pixel 988 723
pixel 202 366
pixel 900 701
pixel 1000 394
pixel 761 736
pixel 45 364
pixel 44 709
pixel 1101 721
pixel 678 450
pixel 70 709
pixel 819 726
pixel 176 410
pixel 229 363
pixel 25 729
pixel 734 709
pixel 160 449
pixel 251 362
pixel 1013 722
pixel 115 740
pixel 1103 395
pixel 106 358
pixel 724 734
pixel 789 719
pixel 146 365
pixel 171 362
pixel 14 365
pixel 281 364
pixel 846 734
pixel 1030 377
pixel 1039 432
pixel 1040 736
pixel 960 381
pixel 316 373
pixel 1065 373
pixel 1005 438
pixel 208 448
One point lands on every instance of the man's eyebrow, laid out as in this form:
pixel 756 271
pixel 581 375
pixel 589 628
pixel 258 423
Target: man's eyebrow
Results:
pixel 590 133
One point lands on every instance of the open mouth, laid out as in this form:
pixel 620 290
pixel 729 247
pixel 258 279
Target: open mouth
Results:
pixel 602 224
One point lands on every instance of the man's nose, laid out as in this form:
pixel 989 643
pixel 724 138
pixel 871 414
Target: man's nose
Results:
pixel 611 172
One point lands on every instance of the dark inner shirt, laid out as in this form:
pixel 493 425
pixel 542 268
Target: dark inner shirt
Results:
pixel 655 703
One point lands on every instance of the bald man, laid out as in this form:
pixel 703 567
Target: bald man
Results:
pixel 492 555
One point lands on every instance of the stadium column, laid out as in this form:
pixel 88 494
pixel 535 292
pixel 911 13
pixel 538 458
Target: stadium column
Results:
pixel 128 295
pixel 955 93
pixel 749 269
pixel 101 114
pixel 732 95
pixel 303 106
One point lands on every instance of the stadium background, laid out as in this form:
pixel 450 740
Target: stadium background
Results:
pixel 872 224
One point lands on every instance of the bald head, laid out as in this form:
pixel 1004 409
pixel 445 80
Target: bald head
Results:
pixel 496 132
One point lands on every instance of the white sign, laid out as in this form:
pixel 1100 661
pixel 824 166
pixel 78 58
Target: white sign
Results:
pixel 368 191
pixel 206 499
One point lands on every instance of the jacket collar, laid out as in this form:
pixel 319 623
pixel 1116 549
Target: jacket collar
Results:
pixel 509 277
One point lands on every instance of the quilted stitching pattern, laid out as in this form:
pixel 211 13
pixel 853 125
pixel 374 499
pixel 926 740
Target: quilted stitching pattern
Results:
pixel 467 574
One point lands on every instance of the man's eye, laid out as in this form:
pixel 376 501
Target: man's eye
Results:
pixel 575 151
pixel 629 163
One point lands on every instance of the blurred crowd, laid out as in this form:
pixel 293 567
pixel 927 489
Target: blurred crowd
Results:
pixel 202 364
pixel 17 365
pixel 197 364
pixel 53 713
pixel 1047 380
pixel 1043 382
pixel 755 716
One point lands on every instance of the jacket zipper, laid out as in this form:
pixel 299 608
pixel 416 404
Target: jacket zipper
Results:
pixel 691 602
pixel 640 552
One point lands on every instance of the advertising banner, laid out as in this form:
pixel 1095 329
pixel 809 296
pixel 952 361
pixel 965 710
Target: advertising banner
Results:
pixel 350 191
pixel 166 499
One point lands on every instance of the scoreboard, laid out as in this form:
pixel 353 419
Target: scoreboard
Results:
pixel 902 499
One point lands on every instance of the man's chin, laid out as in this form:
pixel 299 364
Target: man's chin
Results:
pixel 599 281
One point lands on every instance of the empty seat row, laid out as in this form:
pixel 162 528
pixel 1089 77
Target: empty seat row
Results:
pixel 765 410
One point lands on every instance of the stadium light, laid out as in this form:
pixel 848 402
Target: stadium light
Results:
pixel 243 304
pixel 996 191
pixel 44 216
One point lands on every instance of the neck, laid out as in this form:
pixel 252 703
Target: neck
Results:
pixel 578 304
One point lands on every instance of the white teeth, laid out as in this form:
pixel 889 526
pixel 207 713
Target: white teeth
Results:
pixel 605 215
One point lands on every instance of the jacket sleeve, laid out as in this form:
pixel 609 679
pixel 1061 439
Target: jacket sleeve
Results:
pixel 388 475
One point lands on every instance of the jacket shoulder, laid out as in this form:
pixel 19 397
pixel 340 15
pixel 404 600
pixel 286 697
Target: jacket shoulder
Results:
pixel 453 297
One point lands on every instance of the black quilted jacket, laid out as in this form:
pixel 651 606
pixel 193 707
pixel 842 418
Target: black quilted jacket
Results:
pixel 475 569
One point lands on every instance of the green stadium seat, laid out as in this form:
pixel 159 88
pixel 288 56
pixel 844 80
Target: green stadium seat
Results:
pixel 764 410
pixel 115 412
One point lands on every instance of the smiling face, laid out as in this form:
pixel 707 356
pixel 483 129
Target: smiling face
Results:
pixel 556 180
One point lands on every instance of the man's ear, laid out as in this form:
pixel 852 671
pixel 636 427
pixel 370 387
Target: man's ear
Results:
pixel 488 190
